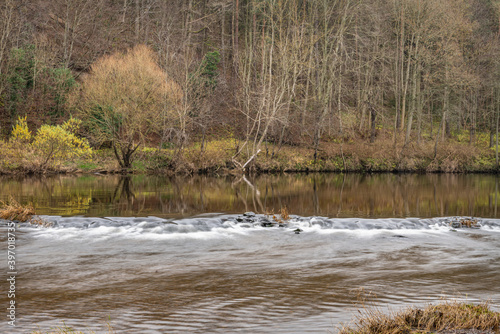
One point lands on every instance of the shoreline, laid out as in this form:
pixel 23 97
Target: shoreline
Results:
pixel 217 158
pixel 220 172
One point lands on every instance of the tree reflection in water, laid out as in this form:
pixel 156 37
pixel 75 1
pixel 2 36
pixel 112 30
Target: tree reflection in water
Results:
pixel 331 195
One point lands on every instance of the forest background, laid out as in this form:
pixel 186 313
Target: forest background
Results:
pixel 263 85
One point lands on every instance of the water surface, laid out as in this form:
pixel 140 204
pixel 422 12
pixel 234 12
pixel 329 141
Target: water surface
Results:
pixel 159 255
pixel 331 195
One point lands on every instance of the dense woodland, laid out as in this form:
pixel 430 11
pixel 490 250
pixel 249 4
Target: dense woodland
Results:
pixel 269 73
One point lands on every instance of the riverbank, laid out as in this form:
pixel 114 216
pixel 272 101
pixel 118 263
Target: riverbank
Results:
pixel 217 157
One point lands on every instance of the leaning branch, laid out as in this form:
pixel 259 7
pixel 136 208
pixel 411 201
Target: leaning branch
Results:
pixel 251 158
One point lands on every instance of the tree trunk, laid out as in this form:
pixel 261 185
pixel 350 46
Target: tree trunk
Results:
pixel 445 110
pixel 497 119
pixel 373 114
pixel 413 102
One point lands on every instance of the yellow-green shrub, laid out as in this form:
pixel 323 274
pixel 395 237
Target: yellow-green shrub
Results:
pixel 20 131
pixel 58 143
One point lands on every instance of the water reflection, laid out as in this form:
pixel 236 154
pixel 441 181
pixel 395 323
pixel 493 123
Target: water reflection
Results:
pixel 331 195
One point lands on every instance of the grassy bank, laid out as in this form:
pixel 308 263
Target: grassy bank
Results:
pixel 447 317
pixel 216 157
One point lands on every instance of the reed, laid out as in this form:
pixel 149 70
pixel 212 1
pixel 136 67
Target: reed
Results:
pixel 445 317
pixel 12 210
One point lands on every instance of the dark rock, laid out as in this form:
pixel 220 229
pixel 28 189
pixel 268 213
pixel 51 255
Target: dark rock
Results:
pixel 267 224
pixel 249 214
pixel 169 222
pixel 297 231
pixel 456 225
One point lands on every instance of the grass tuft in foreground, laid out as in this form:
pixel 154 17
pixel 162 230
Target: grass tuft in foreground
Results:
pixel 12 210
pixel 442 318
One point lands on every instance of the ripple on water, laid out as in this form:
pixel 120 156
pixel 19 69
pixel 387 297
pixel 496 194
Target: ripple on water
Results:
pixel 211 274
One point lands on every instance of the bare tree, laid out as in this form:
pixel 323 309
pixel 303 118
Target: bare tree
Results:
pixel 122 100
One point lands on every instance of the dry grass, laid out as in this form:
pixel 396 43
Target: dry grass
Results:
pixel 469 222
pixel 447 316
pixel 12 210
pixel 284 213
pixel 355 154
pixel 283 216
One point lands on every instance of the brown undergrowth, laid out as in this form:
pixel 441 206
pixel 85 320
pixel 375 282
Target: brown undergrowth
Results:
pixel 216 157
pixel 12 210
pixel 444 317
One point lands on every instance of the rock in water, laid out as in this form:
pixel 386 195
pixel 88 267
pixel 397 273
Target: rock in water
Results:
pixel 266 223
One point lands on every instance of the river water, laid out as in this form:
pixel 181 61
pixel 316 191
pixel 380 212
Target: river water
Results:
pixel 159 255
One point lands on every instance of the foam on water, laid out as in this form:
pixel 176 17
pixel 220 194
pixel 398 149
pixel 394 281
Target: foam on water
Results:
pixel 228 226
pixel 214 273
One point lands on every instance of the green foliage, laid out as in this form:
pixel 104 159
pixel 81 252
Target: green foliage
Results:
pixel 103 122
pixel 32 84
pixel 203 82
pixel 167 145
pixel 20 77
pixel 87 166
pixel 480 138
pixel 59 143
pixel 209 71
pixel 59 82
pixel 205 76
pixel 139 166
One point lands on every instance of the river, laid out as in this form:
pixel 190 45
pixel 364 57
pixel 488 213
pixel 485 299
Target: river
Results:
pixel 176 255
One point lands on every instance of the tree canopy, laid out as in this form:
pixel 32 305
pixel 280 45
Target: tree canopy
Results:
pixel 125 98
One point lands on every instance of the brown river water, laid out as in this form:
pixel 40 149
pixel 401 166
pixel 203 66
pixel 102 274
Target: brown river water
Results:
pixel 177 255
